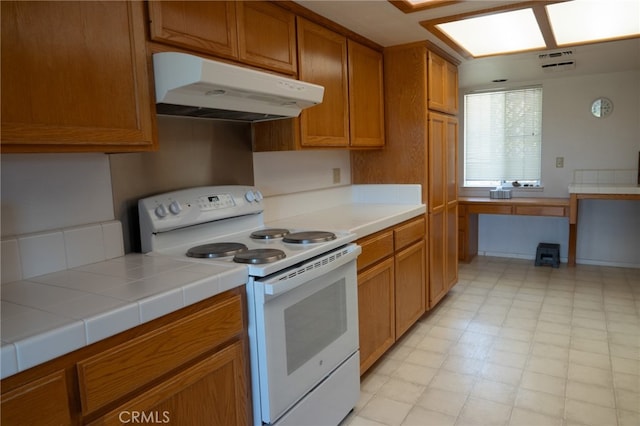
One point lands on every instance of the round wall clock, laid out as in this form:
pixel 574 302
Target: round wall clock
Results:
pixel 601 107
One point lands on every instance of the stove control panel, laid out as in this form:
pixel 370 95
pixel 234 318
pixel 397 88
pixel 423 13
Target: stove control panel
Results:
pixel 193 206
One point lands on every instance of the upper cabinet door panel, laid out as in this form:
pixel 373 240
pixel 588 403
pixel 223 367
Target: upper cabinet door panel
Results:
pixel 205 26
pixel 366 90
pixel 74 77
pixel 443 85
pixel 322 58
pixel 267 36
pixel 452 88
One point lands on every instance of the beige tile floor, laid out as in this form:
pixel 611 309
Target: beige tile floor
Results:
pixel 515 344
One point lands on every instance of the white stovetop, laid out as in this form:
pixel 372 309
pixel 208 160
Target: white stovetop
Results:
pixel 49 315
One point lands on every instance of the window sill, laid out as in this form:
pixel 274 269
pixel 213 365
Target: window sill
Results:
pixel 482 191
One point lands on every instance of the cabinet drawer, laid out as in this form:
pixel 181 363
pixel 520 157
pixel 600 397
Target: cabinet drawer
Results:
pixel 116 372
pixel 488 209
pixel 43 401
pixel 409 232
pixel 375 248
pixel 542 210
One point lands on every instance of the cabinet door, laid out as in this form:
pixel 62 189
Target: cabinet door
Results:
pixel 443 85
pixel 267 36
pixel 41 402
pixel 211 392
pixel 437 169
pixel 409 286
pixel 322 56
pixel 451 88
pixel 376 312
pixel 451 246
pixel 74 77
pixel 205 26
pixel 366 105
pixel 451 146
pixel 437 256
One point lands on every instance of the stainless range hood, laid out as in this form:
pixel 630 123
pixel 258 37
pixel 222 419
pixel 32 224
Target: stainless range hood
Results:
pixel 192 86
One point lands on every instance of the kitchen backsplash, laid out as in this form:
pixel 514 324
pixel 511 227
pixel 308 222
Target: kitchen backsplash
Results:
pixel 34 254
pixel 286 172
pixel 605 176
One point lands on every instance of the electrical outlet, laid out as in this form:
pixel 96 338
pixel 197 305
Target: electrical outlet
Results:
pixel 336 175
pixel 559 162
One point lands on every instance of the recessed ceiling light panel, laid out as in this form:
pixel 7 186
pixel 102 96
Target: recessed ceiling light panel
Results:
pixel 505 32
pixel 583 21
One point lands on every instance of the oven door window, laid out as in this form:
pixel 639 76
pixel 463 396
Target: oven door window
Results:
pixel 314 323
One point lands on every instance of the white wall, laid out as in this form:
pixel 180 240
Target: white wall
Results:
pixel 51 191
pixel 609 231
pixel 286 172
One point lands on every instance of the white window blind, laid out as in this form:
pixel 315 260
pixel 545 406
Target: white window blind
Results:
pixel 503 136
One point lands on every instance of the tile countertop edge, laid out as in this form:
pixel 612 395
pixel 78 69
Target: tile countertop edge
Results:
pixel 74 333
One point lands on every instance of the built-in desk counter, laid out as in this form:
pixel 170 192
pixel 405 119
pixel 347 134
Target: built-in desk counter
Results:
pixel 470 207
pixel 594 192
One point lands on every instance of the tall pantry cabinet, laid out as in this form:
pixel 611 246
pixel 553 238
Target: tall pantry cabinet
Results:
pixel 421 104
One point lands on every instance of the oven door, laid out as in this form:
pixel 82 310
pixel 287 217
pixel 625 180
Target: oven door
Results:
pixel 305 330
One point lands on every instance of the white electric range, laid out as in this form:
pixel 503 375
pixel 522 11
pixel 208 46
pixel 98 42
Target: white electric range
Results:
pixel 301 292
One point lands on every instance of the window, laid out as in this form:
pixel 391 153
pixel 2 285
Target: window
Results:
pixel 503 137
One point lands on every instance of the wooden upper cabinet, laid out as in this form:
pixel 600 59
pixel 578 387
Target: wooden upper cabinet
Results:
pixel 366 87
pixel 322 56
pixel 267 36
pixel 443 85
pixel 204 26
pixel 253 32
pixel 75 77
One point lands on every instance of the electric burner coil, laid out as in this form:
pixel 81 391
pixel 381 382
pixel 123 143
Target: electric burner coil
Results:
pixel 215 250
pixel 259 256
pixel 309 237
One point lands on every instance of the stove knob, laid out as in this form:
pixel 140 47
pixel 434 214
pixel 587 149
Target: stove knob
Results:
pixel 161 211
pixel 250 196
pixel 175 207
pixel 258 195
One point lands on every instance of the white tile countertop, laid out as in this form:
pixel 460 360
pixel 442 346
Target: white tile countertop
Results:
pixel 361 209
pixel 49 315
pixel 361 219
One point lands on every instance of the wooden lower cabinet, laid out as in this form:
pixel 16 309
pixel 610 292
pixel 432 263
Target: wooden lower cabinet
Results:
pixel 376 312
pixel 212 392
pixel 391 287
pixel 437 256
pixel 189 367
pixel 410 289
pixel 44 401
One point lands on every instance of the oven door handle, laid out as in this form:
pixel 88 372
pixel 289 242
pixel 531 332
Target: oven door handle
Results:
pixel 293 277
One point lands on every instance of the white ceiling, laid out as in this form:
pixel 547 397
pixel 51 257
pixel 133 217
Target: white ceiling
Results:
pixel 383 23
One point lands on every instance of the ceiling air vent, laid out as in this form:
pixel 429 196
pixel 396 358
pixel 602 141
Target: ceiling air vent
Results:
pixel 557 61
